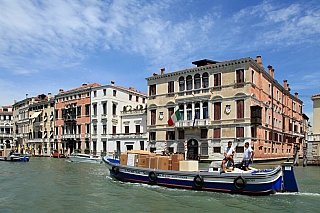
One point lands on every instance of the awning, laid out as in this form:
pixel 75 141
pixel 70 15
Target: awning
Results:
pixel 35 115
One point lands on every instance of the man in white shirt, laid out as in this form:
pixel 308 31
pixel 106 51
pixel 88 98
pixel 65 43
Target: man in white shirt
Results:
pixel 228 155
pixel 247 155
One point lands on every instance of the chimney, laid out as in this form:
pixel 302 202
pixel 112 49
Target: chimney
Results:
pixel 84 84
pixel 60 90
pixel 285 84
pixel 162 70
pixel 155 74
pixel 288 88
pixel 112 83
pixel 272 73
pixel 296 94
pixel 49 95
pixel 131 88
pixel 270 70
pixel 258 60
pixel 26 95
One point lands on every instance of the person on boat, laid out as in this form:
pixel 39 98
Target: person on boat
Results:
pixel 247 156
pixel 228 155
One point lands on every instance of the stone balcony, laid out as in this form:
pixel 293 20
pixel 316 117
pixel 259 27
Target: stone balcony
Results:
pixel 129 135
pixel 190 123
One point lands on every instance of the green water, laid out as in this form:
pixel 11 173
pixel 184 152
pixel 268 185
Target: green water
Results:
pixel 56 185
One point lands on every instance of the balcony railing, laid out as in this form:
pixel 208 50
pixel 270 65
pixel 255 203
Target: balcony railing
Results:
pixel 129 135
pixel 191 123
pixel 72 117
pixel 70 136
pixel 6 135
pixel 35 140
pixel 103 116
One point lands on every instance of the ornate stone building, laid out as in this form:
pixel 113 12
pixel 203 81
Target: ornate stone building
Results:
pixel 235 100
pixel 6 127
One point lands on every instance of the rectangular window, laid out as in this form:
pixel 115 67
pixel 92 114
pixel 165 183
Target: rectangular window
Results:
pixel 114 130
pixel 79 129
pixel 153 117
pixel 126 129
pixel 204 133
pixel 217 79
pixel 170 135
pixel 240 109
pixel 152 136
pixel 87 128
pixel 114 92
pixel 240 132
pixel 143 100
pixel 217 133
pixel 240 76
pixel 217 111
pixel 216 149
pixel 104 129
pixel 181 134
pixel 94 109
pixel 104 92
pixel 130 97
pixel 137 98
pixel 170 86
pixel 94 93
pixel 137 129
pixel 87 109
pixel 79 111
pixel 152 89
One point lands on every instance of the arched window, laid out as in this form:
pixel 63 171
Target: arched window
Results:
pixel 205 110
pixel 181 109
pixel 205 80
pixel 181 84
pixel 189 82
pixel 197 110
pixel 197 81
pixel 189 112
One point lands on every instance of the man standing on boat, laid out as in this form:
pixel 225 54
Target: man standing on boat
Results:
pixel 228 155
pixel 247 155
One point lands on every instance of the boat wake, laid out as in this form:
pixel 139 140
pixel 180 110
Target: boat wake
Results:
pixel 299 194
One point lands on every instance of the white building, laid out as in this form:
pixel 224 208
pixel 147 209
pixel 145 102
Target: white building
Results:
pixel 118 120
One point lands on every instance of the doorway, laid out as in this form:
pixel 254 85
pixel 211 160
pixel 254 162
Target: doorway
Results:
pixel 193 147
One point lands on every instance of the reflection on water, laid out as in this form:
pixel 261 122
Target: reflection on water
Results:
pixel 55 185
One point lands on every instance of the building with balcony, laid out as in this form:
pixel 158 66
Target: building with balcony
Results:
pixel 118 120
pixel 6 127
pixel 21 123
pixel 73 119
pixel 314 138
pixel 41 125
pixel 235 100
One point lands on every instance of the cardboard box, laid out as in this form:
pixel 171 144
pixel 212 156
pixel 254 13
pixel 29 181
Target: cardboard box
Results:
pixel 175 166
pixel 142 161
pixel 177 157
pixel 163 162
pixel 151 162
pixel 123 159
pixel 189 165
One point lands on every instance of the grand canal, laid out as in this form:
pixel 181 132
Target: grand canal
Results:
pixel 56 185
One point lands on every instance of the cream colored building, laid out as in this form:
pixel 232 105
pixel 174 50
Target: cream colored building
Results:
pixel 236 100
pixel 314 138
pixel 41 125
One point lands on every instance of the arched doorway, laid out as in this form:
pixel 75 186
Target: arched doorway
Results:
pixel 192 146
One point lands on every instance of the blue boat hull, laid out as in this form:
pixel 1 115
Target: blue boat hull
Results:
pixel 251 183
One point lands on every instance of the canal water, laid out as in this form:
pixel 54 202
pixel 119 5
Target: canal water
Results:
pixel 56 185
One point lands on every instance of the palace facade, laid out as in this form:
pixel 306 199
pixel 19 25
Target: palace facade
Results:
pixel 235 100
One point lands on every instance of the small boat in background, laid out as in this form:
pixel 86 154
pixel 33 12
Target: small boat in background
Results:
pixel 78 157
pixel 174 171
pixel 13 156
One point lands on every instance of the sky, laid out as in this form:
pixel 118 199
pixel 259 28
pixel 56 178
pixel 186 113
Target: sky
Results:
pixel 60 44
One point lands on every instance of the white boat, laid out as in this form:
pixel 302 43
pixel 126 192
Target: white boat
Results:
pixel 12 156
pixel 78 157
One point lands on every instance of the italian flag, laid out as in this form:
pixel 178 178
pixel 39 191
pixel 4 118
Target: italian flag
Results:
pixel 175 117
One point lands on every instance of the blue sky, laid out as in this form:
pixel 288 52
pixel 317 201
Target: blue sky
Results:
pixel 60 44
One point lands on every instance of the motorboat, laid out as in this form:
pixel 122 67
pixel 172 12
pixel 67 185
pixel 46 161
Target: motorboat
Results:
pixel 78 157
pixel 188 176
pixel 13 156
